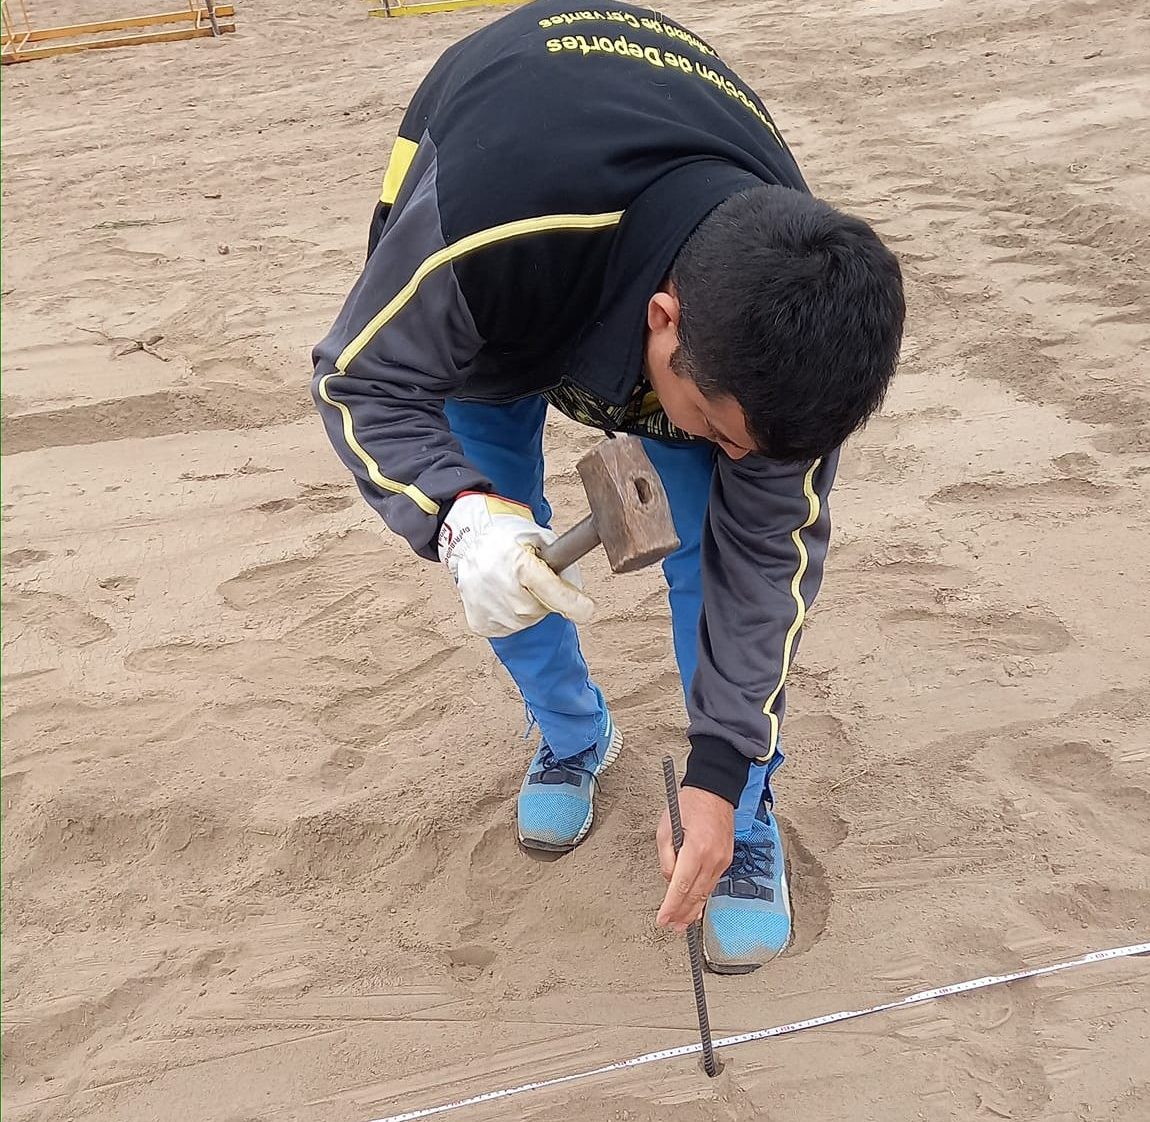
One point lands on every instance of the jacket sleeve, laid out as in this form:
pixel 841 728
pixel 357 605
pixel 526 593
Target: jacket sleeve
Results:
pixel 393 356
pixel 764 544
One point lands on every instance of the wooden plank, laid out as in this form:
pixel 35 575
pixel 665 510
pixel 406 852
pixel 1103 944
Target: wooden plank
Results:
pixel 116 41
pixel 74 30
pixel 437 6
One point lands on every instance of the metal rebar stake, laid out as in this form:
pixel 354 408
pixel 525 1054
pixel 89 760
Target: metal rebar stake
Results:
pixel 695 931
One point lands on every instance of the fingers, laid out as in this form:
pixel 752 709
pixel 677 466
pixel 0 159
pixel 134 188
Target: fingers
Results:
pixel 708 835
pixel 687 894
pixel 552 591
pixel 666 847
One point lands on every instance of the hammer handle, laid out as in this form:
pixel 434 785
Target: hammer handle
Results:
pixel 566 549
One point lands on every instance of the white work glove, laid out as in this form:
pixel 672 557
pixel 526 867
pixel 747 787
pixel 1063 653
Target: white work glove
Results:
pixel 488 544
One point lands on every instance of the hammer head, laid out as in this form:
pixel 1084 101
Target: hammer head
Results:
pixel 628 504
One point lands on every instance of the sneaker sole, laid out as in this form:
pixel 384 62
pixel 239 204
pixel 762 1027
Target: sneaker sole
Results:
pixel 609 757
pixel 751 967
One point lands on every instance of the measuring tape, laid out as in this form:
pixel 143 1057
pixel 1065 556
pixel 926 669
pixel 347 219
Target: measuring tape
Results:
pixel 778 1030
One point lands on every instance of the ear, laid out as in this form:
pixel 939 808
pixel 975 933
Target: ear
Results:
pixel 663 312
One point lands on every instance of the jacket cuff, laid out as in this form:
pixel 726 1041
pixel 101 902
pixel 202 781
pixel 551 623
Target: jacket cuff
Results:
pixel 713 765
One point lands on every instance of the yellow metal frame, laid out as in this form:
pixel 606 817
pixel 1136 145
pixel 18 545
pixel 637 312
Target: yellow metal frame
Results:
pixel 402 8
pixel 205 18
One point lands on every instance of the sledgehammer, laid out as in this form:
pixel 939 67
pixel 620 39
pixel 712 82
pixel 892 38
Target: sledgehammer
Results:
pixel 630 515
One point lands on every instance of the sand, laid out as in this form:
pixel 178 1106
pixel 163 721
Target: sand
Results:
pixel 258 787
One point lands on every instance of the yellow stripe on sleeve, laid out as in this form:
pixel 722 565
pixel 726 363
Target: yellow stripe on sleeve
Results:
pixel 402 153
pixel 428 506
pixel 469 244
pixel 444 256
pixel 814 507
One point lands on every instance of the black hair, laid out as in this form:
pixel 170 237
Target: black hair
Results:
pixel 795 310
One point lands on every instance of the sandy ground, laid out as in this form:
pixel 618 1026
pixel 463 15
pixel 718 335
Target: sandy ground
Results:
pixel 258 785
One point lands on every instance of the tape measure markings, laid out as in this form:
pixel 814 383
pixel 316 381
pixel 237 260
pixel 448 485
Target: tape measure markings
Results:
pixel 1131 951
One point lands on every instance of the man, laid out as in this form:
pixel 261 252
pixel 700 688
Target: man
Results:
pixel 589 210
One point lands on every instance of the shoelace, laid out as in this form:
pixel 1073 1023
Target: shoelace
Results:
pixel 751 860
pixel 548 761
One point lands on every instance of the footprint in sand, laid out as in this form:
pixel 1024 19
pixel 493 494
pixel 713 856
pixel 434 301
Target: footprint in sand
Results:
pixel 982 633
pixel 19 558
pixel 48 616
pixel 324 600
pixel 811 896
pixel 320 498
pixel 1082 779
pixel 1049 499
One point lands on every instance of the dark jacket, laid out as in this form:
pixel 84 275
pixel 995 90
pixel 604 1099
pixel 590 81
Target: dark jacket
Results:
pixel 546 173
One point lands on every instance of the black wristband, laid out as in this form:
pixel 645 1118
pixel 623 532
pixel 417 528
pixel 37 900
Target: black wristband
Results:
pixel 713 765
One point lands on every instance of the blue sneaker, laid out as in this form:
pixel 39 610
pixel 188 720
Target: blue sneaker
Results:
pixel 748 917
pixel 557 799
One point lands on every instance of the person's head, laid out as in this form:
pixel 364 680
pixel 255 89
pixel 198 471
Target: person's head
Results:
pixel 778 328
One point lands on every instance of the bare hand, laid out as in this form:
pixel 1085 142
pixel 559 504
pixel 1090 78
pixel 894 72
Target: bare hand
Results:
pixel 708 841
